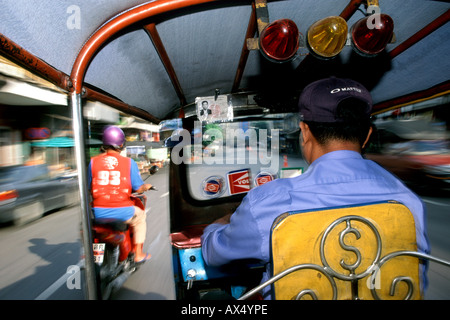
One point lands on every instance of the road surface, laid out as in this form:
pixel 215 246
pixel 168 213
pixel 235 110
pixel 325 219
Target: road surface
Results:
pixel 36 257
pixel 39 259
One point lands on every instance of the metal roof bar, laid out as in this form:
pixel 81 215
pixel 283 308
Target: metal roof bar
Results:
pixel 27 60
pixel 251 30
pixel 159 46
pixel 427 30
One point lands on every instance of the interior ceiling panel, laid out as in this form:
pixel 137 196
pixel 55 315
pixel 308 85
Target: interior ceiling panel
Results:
pixel 144 82
pixel 204 46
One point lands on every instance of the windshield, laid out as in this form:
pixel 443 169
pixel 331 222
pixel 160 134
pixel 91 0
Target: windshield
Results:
pixel 226 159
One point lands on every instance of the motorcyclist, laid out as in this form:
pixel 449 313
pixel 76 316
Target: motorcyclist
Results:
pixel 112 179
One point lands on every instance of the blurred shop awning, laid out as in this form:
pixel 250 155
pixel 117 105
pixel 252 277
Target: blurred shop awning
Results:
pixel 57 142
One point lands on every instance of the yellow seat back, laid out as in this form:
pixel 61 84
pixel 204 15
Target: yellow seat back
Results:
pixel 341 253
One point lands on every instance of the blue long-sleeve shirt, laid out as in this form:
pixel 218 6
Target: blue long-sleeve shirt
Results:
pixel 335 179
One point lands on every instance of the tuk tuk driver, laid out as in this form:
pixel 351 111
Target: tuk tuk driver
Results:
pixel 335 127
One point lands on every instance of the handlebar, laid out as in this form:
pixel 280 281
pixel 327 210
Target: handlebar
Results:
pixel 137 194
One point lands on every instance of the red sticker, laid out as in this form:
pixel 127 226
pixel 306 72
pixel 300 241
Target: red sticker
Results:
pixel 263 178
pixel 239 181
pixel 211 187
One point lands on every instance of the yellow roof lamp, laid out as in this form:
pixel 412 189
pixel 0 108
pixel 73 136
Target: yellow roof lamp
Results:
pixel 327 37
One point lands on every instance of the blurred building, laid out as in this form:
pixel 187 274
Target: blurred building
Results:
pixel 36 122
pixel 413 142
pixel 32 111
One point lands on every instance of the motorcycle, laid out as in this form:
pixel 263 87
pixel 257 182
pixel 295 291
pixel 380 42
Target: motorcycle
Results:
pixel 114 251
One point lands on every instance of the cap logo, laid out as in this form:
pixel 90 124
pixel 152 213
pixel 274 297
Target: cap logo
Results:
pixel 336 90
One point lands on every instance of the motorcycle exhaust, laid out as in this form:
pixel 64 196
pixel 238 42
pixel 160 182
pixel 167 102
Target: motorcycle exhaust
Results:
pixel 115 285
pixel 118 282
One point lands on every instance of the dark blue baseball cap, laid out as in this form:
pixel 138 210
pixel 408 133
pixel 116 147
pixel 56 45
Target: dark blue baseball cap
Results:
pixel 320 99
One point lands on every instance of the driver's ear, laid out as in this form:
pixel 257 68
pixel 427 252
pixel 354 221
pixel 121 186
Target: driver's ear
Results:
pixel 368 137
pixel 305 132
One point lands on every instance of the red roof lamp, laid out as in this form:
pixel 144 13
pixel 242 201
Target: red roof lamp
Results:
pixel 370 35
pixel 279 41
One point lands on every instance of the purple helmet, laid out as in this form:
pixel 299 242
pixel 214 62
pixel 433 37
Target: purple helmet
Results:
pixel 113 136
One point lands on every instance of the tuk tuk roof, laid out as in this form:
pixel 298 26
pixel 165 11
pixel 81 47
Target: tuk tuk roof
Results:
pixel 167 60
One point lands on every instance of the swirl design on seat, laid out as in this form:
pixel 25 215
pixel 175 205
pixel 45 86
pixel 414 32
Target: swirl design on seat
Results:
pixel 372 271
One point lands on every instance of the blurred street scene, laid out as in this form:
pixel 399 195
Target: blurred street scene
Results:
pixel 40 215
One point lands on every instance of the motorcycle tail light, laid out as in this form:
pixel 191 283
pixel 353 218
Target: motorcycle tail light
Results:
pixel 370 37
pixel 279 41
pixel 327 37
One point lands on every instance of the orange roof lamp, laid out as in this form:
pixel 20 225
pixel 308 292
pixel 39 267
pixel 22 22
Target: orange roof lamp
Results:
pixel 327 37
